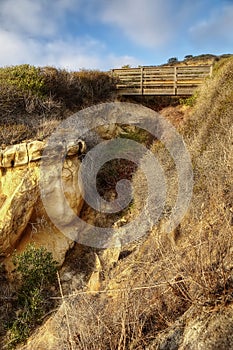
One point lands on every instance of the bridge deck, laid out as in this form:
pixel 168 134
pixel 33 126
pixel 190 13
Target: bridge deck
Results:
pixel 164 80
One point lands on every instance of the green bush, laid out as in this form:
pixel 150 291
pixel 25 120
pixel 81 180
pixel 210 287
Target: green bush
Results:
pixel 189 101
pixel 172 60
pixel 137 135
pixel 36 267
pixel 24 77
pixel 187 57
pixel 36 270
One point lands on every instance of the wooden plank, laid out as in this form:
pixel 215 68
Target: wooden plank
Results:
pixel 189 83
pixel 136 72
pixel 207 67
pixel 126 81
pixel 155 71
pixel 159 77
pixel 186 77
pixel 192 72
pixel 202 75
pixel 125 70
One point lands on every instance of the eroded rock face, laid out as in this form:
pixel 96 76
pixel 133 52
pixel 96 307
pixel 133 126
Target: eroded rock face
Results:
pixel 27 152
pixel 206 331
pixel 23 218
pixel 35 149
pixel 21 193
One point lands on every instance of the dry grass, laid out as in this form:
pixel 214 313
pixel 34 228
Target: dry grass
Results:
pixel 190 267
pixel 11 134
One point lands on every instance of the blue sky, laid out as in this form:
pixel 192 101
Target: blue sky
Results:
pixel 104 34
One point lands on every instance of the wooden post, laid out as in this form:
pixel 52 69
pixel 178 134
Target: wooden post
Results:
pixel 211 70
pixel 175 80
pixel 141 80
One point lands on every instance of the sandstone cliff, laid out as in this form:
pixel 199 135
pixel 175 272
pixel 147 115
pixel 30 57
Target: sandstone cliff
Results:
pixel 23 218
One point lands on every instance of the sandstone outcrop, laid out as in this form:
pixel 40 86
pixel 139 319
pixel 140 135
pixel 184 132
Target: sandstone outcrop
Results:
pixel 20 189
pixel 27 152
pixel 23 218
pixel 207 331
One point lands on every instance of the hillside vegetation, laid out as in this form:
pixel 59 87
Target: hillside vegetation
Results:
pixel 34 99
pixel 165 291
pixel 172 291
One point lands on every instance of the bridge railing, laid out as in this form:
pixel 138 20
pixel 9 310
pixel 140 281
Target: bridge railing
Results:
pixel 164 80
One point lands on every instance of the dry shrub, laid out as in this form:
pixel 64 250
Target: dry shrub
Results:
pixel 166 274
pixel 13 133
pixel 138 302
pixel 22 113
pixel 31 95
pixel 126 321
pixel 34 129
pixel 191 266
pixel 201 255
pixel 78 89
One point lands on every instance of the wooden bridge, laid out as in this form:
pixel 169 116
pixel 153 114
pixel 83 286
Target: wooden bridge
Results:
pixel 161 80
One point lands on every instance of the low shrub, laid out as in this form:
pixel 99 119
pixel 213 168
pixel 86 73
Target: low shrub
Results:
pixel 25 77
pixel 36 271
pixel 189 101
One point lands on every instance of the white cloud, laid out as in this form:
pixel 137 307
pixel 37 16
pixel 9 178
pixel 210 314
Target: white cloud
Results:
pixel 216 28
pixel 35 31
pixel 114 61
pixel 162 24
pixel 14 48
pixel 72 54
pixel 31 32
pixel 146 22
pixel 26 16
pixel 36 18
pixel 153 24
